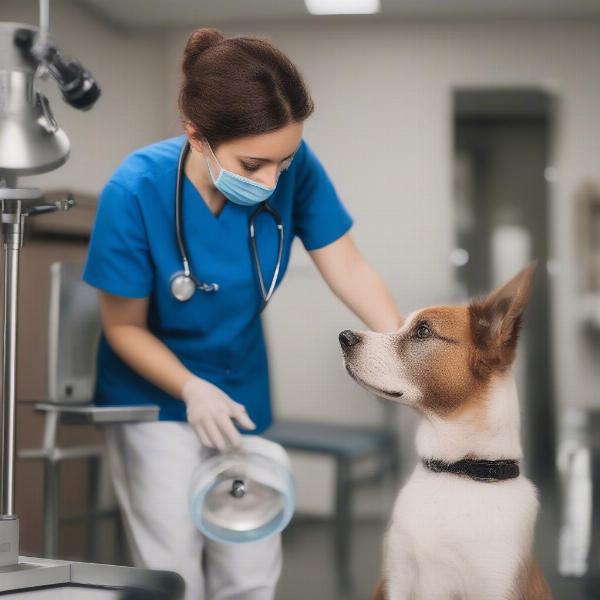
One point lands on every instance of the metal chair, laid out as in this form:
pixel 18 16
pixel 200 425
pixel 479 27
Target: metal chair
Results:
pixel 348 446
pixel 74 327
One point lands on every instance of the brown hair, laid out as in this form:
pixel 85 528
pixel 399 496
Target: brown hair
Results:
pixel 239 86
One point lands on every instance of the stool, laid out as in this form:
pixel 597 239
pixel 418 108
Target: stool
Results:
pixel 347 445
pixel 52 455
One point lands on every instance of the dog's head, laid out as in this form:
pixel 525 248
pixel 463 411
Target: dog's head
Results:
pixel 443 356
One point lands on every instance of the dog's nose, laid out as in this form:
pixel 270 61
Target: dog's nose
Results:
pixel 347 338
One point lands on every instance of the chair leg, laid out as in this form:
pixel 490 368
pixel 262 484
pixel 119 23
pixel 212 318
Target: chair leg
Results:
pixel 594 549
pixel 343 523
pixel 50 511
pixel 94 506
pixel 51 488
pixel 123 550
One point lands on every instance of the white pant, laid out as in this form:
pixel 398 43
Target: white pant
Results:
pixel 151 466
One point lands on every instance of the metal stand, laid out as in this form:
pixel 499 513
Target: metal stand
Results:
pixel 30 143
pixel 26 573
pixel 17 203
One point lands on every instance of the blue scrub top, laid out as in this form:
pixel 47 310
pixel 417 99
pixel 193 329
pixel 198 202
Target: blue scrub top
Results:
pixel 218 336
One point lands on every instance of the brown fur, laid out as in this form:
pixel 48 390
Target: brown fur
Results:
pixel 474 343
pixel 378 592
pixel 452 386
pixel 531 584
pixel 496 322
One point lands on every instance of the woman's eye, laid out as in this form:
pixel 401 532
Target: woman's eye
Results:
pixel 423 332
pixel 250 168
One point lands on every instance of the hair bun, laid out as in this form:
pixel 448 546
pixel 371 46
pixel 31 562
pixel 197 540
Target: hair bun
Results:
pixel 199 41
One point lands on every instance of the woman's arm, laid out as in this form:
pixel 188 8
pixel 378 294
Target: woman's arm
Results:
pixel 124 321
pixel 209 410
pixel 357 284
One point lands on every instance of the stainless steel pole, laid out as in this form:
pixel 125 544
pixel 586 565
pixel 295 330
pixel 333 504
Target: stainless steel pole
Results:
pixel 12 226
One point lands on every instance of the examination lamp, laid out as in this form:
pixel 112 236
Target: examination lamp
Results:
pixel 31 141
pixel 78 87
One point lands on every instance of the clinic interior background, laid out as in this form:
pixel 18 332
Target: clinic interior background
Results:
pixel 383 128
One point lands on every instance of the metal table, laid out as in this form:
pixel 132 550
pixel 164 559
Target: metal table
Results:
pixel 58 579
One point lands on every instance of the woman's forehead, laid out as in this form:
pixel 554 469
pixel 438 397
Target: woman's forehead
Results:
pixel 271 146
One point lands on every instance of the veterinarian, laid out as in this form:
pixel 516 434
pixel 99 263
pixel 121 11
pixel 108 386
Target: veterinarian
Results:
pixel 181 294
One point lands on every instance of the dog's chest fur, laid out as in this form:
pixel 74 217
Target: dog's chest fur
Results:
pixel 454 537
pixel 463 538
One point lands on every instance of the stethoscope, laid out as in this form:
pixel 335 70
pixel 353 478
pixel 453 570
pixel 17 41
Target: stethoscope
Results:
pixel 184 283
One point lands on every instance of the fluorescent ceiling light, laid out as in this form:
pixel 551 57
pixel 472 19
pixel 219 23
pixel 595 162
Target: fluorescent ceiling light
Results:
pixel 342 7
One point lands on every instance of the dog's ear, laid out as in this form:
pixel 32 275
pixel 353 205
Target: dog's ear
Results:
pixel 496 321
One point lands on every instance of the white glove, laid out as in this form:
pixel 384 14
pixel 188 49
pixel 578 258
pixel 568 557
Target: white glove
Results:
pixel 210 411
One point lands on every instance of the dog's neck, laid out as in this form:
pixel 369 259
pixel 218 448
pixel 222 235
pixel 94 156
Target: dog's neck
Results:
pixel 495 436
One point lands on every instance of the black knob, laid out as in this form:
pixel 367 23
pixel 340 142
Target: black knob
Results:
pixel 347 338
pixel 23 38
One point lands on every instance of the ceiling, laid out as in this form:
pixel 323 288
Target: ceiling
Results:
pixel 141 14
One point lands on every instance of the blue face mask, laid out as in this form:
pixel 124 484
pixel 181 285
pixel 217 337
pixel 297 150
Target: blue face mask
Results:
pixel 239 189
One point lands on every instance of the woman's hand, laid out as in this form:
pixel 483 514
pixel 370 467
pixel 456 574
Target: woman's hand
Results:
pixel 210 411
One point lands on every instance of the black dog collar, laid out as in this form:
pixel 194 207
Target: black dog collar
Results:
pixel 480 470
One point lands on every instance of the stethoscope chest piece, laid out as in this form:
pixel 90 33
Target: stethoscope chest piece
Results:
pixel 243 495
pixel 182 286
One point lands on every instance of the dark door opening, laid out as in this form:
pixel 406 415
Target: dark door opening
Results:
pixel 501 150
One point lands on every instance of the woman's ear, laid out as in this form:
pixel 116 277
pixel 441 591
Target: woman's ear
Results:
pixel 496 322
pixel 194 138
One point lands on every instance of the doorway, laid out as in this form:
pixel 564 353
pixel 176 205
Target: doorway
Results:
pixel 501 155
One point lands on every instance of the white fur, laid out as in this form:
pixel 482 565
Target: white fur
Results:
pixel 455 538
pixel 379 369
pixel 458 437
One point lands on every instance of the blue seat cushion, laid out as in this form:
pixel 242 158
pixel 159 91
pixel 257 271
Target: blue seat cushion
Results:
pixel 341 440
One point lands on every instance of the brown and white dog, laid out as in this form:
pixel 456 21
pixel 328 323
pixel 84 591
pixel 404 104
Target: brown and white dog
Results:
pixel 463 525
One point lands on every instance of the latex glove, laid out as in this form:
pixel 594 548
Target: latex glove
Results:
pixel 210 411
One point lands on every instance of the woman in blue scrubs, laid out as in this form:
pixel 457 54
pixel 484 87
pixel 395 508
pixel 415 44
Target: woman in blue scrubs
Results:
pixel 203 361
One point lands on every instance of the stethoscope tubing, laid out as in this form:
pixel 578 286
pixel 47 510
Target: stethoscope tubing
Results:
pixel 266 208
pixel 263 207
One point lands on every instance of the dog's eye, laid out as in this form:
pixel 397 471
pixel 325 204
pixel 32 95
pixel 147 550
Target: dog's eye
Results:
pixel 423 331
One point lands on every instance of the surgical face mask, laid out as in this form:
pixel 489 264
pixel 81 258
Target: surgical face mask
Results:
pixel 239 189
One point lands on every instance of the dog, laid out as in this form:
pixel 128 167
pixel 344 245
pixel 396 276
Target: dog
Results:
pixel 462 526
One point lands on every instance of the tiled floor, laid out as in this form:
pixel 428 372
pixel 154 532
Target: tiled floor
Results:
pixel 308 571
